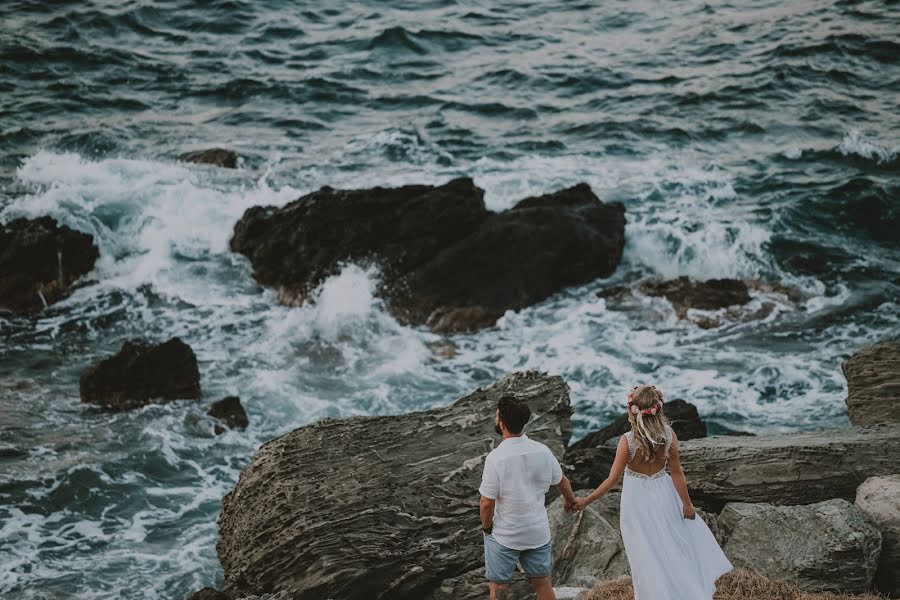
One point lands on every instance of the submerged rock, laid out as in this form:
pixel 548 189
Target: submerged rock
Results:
pixel 230 411
pixel 375 507
pixel 711 294
pixel 879 498
pixel 219 157
pixel 142 373
pixel 39 262
pixel 446 260
pixel 827 546
pixel 873 384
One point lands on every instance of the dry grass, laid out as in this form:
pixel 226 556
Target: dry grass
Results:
pixel 736 585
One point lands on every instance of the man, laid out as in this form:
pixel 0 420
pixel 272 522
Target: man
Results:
pixel 517 475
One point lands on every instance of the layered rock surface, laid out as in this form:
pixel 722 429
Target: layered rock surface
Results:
pixel 873 384
pixel 374 508
pixel 142 373
pixel 446 260
pixel 39 262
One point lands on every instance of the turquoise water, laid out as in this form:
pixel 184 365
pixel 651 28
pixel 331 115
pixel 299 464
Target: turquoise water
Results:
pixel 757 143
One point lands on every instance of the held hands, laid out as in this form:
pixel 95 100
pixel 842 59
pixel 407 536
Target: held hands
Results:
pixel 689 512
pixel 574 505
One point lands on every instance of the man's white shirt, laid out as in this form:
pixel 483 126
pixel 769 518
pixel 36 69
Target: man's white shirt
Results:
pixel 517 474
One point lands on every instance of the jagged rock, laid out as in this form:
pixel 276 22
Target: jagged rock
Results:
pixel 827 546
pixel 142 373
pixel 474 586
pixel 39 261
pixel 219 157
pixel 372 508
pixel 873 384
pixel 230 411
pixel 879 498
pixel 796 468
pixel 446 260
pixel 209 593
pixel 586 546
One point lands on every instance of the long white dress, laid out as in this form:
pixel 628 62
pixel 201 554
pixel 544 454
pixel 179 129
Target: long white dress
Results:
pixel 671 558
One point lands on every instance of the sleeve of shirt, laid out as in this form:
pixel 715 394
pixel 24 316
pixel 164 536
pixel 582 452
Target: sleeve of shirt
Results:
pixel 490 480
pixel 556 473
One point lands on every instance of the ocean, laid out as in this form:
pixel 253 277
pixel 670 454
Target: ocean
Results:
pixel 758 141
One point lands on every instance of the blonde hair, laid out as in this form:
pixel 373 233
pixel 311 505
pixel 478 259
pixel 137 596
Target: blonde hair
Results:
pixel 648 422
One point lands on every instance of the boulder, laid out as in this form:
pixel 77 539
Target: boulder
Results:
pixel 39 262
pixel 873 384
pixel 446 261
pixel 796 468
pixel 827 546
pixel 219 157
pixel 142 373
pixel 587 547
pixel 230 411
pixel 879 498
pixel 375 507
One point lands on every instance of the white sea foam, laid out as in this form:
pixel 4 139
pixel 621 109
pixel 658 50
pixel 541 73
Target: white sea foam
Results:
pixel 856 142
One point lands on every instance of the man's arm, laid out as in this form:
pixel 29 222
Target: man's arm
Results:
pixel 564 487
pixel 486 507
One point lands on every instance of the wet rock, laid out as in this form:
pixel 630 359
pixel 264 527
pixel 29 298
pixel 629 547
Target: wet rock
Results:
pixel 446 260
pixel 879 498
pixel 827 546
pixel 797 468
pixel 873 384
pixel 39 262
pixel 371 507
pixel 711 294
pixel 142 373
pixel 230 411
pixel 209 593
pixel 219 157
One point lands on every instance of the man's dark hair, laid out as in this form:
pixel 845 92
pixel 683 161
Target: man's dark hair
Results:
pixel 514 413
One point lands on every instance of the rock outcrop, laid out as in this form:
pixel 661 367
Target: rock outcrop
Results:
pixel 873 384
pixel 230 411
pixel 711 294
pixel 374 507
pixel 39 262
pixel 827 546
pixel 879 498
pixel 446 260
pixel 142 373
pixel 798 468
pixel 219 157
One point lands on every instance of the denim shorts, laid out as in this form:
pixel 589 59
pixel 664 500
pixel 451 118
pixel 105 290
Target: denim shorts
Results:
pixel 500 561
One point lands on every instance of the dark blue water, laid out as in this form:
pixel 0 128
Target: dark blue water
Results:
pixel 759 143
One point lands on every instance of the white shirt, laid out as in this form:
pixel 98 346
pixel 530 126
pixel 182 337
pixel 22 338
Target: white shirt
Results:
pixel 517 474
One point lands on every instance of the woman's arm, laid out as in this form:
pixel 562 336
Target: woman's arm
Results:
pixel 615 474
pixel 679 480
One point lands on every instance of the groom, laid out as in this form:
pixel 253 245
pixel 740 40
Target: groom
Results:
pixel 517 475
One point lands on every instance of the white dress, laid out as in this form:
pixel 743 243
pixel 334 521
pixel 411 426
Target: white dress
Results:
pixel 671 558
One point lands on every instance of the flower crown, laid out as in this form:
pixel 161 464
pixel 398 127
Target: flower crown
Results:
pixel 656 408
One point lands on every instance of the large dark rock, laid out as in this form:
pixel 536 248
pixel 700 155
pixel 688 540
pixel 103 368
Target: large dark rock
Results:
pixel 230 411
pixel 827 546
pixel 219 157
pixel 446 260
pixel 209 593
pixel 373 508
pixel 873 384
pixel 39 261
pixel 142 373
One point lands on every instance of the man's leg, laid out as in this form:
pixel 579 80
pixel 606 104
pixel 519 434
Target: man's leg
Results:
pixel 499 591
pixel 543 588
pixel 499 567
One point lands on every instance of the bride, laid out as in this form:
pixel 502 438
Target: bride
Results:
pixel 672 554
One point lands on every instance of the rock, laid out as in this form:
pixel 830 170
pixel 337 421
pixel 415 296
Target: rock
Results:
pixel 219 157
pixel 711 294
pixel 827 546
pixel 39 262
pixel 209 593
pixel 473 586
pixel 374 507
pixel 796 468
pixel 682 415
pixel 873 384
pixel 446 260
pixel 230 411
pixel 879 498
pixel 586 546
pixel 142 373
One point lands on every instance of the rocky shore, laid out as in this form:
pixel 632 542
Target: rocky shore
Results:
pixel 386 507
